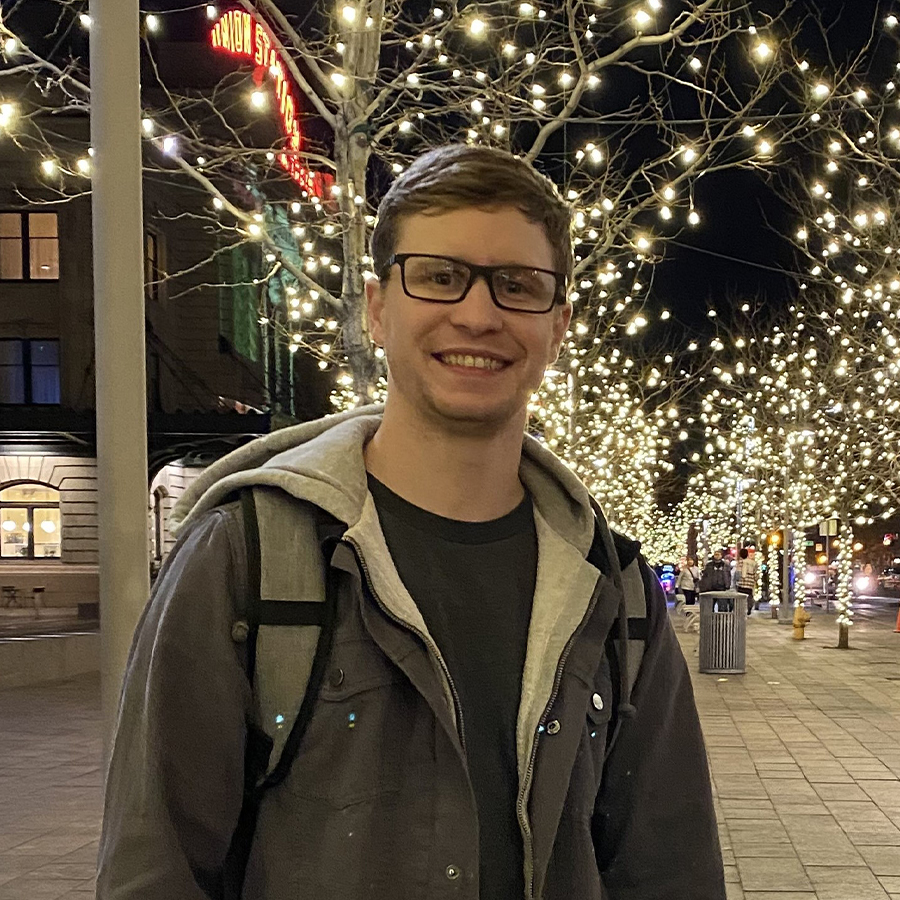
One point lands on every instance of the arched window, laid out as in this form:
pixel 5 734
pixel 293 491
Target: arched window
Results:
pixel 30 525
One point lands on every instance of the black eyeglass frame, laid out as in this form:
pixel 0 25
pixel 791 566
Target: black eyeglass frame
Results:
pixel 486 272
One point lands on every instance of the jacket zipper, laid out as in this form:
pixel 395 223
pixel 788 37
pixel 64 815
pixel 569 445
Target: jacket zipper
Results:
pixel 421 635
pixel 529 771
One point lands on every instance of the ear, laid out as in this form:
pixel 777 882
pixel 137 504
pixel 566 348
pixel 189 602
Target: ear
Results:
pixel 375 306
pixel 562 316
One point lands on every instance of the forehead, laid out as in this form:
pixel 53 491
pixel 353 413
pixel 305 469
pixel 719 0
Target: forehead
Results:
pixel 492 235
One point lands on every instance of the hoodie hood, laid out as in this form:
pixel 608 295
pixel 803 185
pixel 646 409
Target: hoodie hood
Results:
pixel 322 462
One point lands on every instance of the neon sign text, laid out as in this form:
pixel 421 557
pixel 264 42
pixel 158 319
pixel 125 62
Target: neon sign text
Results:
pixel 239 34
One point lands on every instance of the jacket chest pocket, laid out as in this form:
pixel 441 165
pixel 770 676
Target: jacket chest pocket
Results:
pixel 591 757
pixel 355 748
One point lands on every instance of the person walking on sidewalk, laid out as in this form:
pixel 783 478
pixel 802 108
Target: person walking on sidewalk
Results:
pixel 497 707
pixel 688 581
pixel 716 576
pixel 747 573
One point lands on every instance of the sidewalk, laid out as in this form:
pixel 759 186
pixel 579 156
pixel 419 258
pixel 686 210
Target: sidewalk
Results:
pixel 50 790
pixel 805 756
pixel 804 748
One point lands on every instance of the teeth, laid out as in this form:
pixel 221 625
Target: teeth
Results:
pixel 471 362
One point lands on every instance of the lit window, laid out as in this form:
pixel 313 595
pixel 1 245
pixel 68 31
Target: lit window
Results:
pixel 29 246
pixel 30 522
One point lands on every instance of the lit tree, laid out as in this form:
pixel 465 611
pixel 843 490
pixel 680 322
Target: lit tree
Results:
pixel 615 423
pixel 625 109
pixel 821 448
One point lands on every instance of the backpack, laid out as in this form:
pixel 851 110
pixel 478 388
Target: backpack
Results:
pixel 297 621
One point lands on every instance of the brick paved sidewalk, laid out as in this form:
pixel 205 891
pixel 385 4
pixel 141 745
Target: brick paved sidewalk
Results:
pixel 804 748
pixel 805 756
pixel 50 790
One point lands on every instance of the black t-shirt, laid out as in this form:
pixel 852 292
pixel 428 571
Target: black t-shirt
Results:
pixel 474 584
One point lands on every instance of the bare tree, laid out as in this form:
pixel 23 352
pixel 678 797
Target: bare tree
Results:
pixel 625 109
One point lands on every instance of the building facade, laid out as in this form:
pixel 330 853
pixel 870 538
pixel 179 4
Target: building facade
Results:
pixel 204 395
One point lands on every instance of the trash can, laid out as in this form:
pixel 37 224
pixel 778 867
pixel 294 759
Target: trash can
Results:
pixel 723 632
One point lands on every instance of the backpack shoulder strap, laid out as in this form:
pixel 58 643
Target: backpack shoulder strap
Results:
pixel 284 626
pixel 290 613
pixel 637 589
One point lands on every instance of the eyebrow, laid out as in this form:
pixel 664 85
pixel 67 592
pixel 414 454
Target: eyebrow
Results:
pixel 468 262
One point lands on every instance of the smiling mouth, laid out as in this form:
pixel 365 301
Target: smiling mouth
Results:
pixel 465 361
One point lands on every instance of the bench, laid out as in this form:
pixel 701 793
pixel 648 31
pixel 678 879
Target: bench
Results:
pixel 691 614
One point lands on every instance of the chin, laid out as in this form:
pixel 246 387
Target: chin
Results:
pixel 477 416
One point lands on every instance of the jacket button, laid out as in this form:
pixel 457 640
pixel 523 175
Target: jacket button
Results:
pixel 597 702
pixel 337 677
pixel 453 872
pixel 553 727
pixel 240 631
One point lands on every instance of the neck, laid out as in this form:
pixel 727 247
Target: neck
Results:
pixel 465 476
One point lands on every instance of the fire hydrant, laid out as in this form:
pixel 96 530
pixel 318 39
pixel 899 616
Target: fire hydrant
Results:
pixel 801 618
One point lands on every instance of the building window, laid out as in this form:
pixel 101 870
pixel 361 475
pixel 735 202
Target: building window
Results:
pixel 30 524
pixel 154 268
pixel 29 372
pixel 29 246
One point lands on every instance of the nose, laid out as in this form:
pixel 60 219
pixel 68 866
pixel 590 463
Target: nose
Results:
pixel 477 312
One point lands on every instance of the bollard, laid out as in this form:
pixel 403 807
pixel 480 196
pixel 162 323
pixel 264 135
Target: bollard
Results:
pixel 801 619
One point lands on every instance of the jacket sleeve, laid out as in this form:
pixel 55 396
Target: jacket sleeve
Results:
pixel 175 782
pixel 654 824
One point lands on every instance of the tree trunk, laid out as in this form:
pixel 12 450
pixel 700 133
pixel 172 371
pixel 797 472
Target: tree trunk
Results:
pixel 843 636
pixel 351 158
pixel 352 148
pixel 844 595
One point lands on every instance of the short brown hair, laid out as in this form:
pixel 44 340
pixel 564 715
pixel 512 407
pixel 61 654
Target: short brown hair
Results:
pixel 457 176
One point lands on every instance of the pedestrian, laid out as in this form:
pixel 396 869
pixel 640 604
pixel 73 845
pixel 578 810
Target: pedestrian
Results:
pixel 688 581
pixel 496 706
pixel 716 575
pixel 747 572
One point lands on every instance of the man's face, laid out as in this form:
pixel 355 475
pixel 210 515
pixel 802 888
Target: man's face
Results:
pixel 425 342
pixel 717 555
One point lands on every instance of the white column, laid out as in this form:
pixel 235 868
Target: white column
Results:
pixel 119 337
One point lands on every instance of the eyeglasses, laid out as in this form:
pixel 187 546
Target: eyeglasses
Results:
pixel 442 279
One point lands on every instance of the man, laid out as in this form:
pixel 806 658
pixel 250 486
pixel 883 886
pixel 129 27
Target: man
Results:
pixel 464 742
pixel 715 575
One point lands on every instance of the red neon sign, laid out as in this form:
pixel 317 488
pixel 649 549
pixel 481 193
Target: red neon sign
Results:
pixel 238 33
